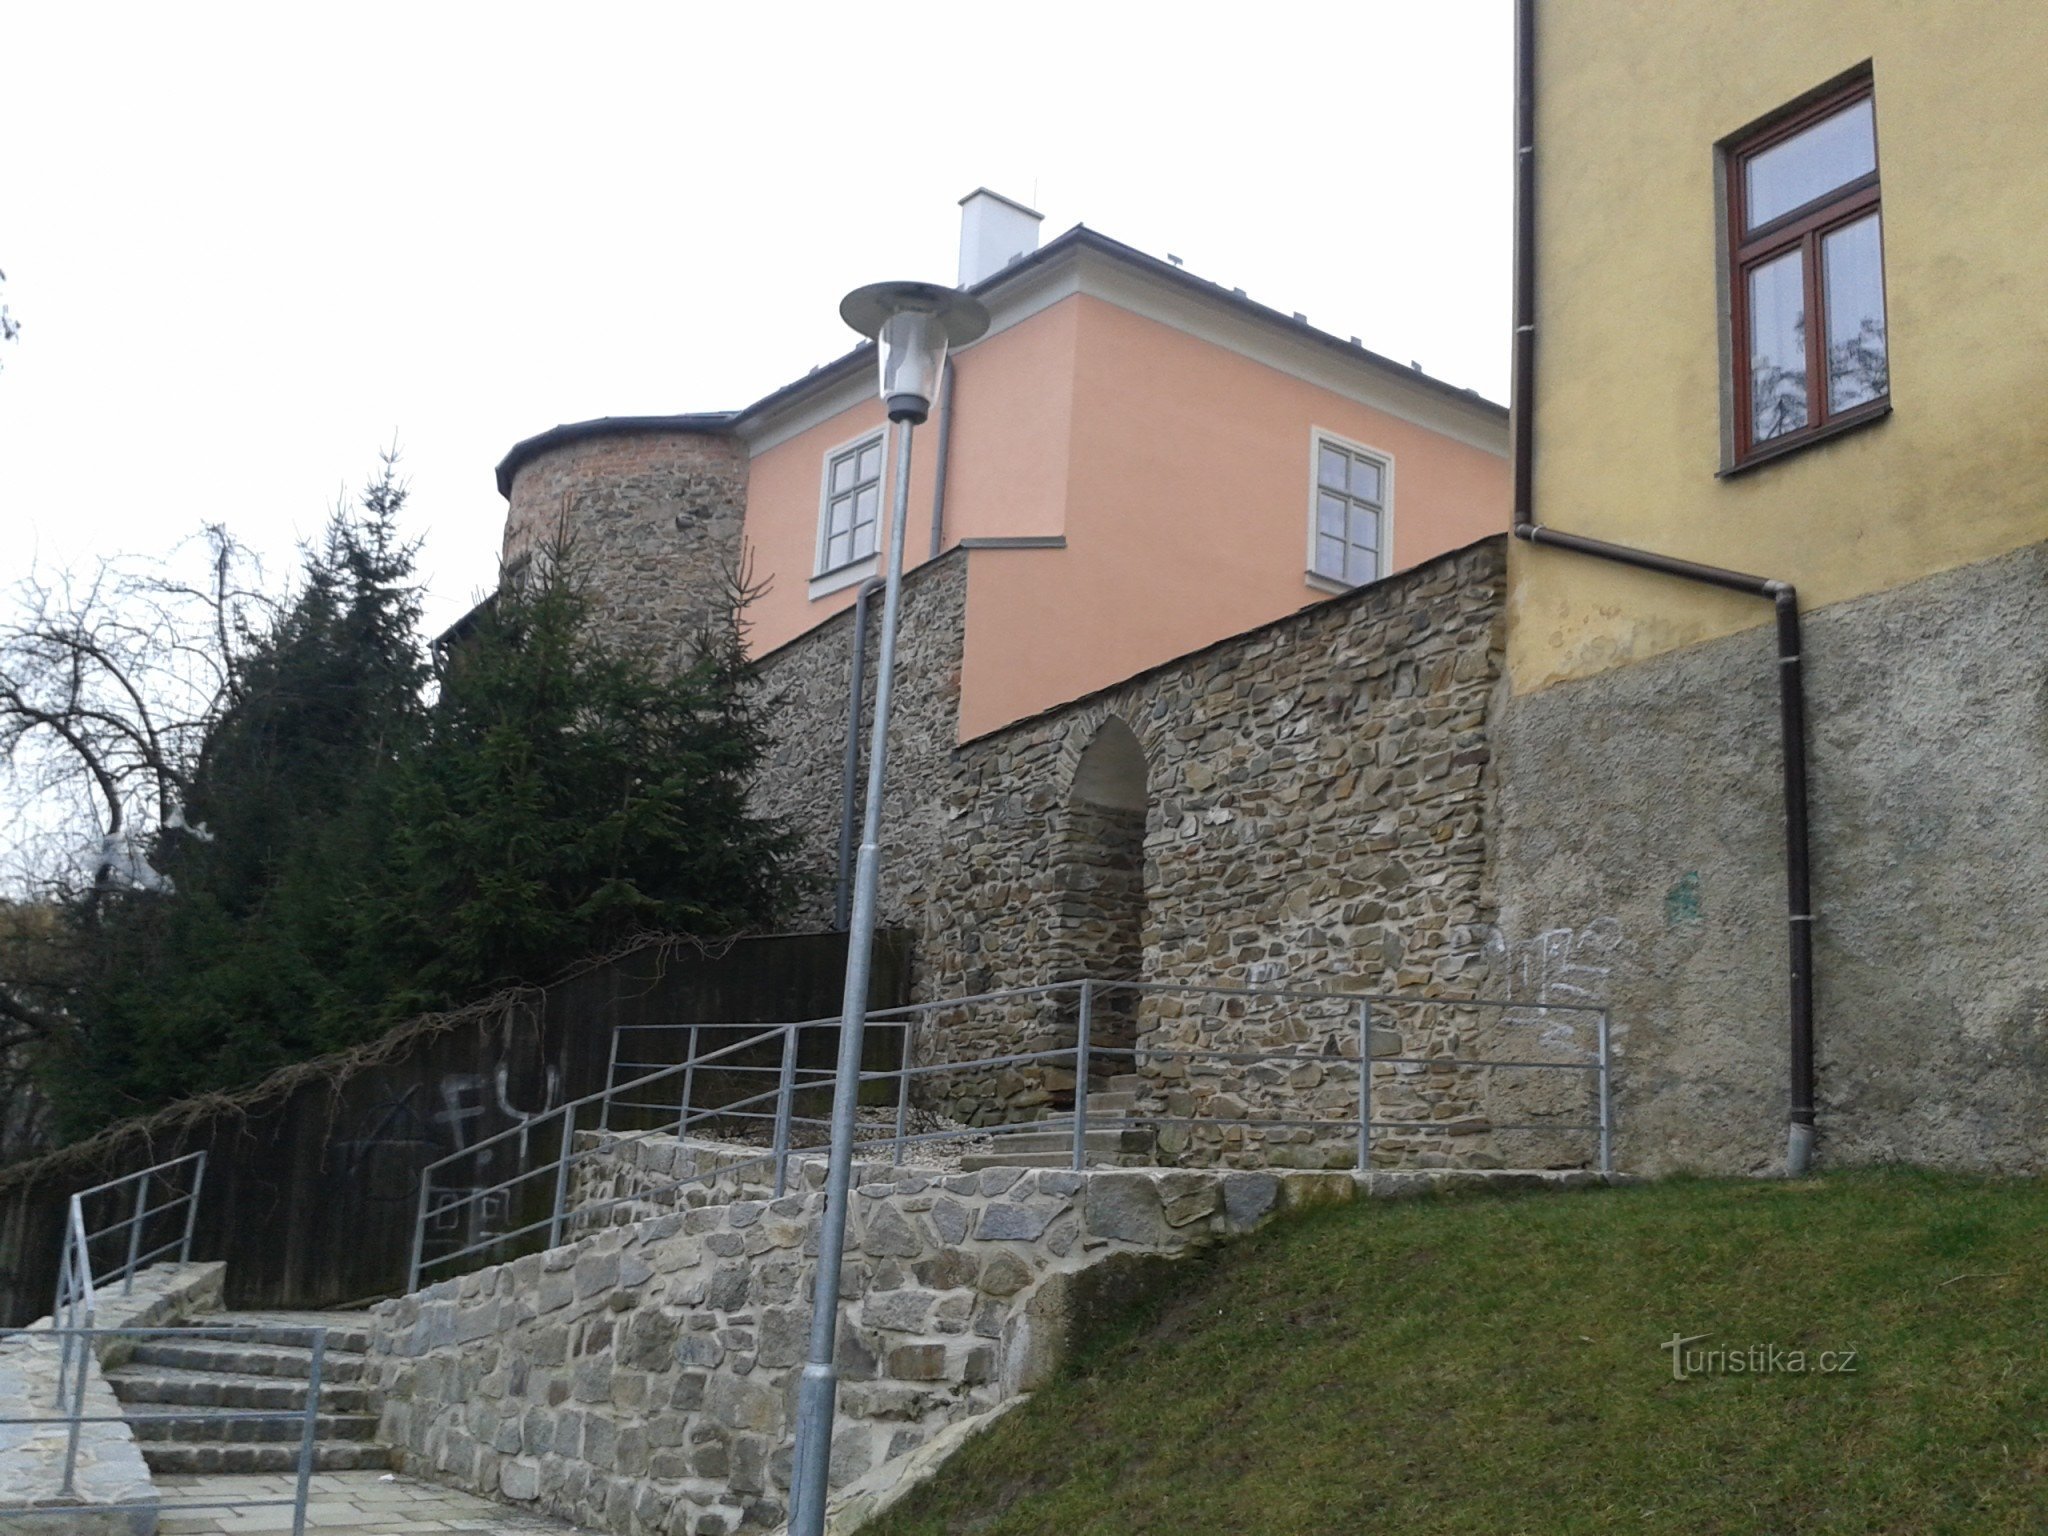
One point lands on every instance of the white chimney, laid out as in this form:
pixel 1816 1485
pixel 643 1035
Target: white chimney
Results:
pixel 994 231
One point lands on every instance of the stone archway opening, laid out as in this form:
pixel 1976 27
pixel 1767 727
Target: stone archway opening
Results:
pixel 1099 881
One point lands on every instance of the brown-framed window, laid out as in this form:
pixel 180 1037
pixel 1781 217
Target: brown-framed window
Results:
pixel 1806 274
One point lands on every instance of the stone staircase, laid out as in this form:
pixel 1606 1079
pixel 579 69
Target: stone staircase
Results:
pixel 1108 1144
pixel 169 1386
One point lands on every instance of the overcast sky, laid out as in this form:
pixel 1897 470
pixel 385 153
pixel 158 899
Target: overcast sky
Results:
pixel 250 246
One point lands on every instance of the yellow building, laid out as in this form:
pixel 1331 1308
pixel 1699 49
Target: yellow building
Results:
pixel 1783 315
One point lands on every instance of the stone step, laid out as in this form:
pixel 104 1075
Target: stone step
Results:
pixel 161 1421
pixel 347 1332
pixel 1055 1149
pixel 974 1162
pixel 217 1389
pixel 230 1357
pixel 1110 1102
pixel 1106 1140
pixel 1136 1084
pixel 176 1457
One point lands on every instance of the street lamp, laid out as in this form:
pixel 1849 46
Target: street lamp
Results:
pixel 912 325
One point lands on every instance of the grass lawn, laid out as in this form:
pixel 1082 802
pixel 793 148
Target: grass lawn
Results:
pixel 1493 1364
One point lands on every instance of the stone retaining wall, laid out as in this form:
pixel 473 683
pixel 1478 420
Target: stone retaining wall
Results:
pixel 641 1379
pixel 110 1470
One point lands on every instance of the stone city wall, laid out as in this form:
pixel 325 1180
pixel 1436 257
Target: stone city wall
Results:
pixel 802 699
pixel 1318 813
pixel 1308 805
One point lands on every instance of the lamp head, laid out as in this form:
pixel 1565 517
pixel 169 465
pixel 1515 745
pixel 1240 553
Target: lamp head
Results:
pixel 912 325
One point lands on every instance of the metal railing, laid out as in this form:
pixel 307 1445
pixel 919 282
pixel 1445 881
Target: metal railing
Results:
pixel 488 1222
pixel 79 1341
pixel 79 1274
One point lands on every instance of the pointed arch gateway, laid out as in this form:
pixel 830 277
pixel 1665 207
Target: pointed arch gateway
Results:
pixel 1099 881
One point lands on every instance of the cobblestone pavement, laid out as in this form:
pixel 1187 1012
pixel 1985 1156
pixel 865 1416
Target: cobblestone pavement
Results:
pixel 358 1503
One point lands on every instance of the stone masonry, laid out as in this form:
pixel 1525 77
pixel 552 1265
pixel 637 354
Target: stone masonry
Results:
pixel 1315 812
pixel 655 520
pixel 803 697
pixel 642 1379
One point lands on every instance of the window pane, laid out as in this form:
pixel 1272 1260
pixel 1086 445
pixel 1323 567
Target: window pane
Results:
pixel 842 473
pixel 1365 528
pixel 1361 566
pixel 838 550
pixel 863 541
pixel 1852 266
pixel 871 462
pixel 1365 480
pixel 1330 515
pixel 1833 152
pixel 1330 468
pixel 1777 347
pixel 842 515
pixel 864 503
pixel 1330 557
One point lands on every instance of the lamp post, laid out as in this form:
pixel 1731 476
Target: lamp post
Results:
pixel 912 325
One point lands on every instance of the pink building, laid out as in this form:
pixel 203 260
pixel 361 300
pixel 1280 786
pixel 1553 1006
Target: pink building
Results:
pixel 1136 462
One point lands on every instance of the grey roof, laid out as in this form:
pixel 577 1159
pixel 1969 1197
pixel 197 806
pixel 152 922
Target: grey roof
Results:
pixel 1079 238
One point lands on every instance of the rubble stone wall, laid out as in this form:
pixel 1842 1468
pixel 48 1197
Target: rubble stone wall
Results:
pixel 1319 818
pixel 642 1379
pixel 1318 814
pixel 803 700
pixel 655 520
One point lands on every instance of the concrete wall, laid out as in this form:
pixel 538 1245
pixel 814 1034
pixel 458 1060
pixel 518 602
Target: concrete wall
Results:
pixel 1633 97
pixel 1641 853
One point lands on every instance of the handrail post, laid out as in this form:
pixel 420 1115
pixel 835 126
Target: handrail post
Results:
pixel 192 1210
pixel 1083 1026
pixel 419 1232
pixel 611 1079
pixel 562 1175
pixel 310 1433
pixel 903 1091
pixel 689 1084
pixel 784 1090
pixel 1365 1087
pixel 84 1343
pixel 135 1233
pixel 1606 1098
pixel 61 1311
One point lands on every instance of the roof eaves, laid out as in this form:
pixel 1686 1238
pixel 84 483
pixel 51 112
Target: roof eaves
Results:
pixel 527 449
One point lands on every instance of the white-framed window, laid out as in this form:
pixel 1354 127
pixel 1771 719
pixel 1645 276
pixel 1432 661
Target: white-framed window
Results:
pixel 1350 519
pixel 850 505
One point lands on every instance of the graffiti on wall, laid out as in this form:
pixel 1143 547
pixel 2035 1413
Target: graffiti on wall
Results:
pixel 396 1137
pixel 1557 965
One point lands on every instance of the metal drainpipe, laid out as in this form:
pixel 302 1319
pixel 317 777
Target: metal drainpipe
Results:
pixel 939 463
pixel 1782 595
pixel 849 773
